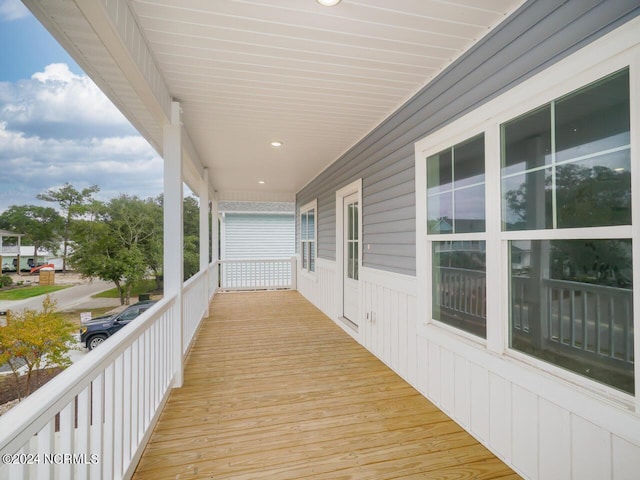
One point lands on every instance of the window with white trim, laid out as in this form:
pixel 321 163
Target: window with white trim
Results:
pixel 566 166
pixel 455 206
pixel 308 236
pixel 558 231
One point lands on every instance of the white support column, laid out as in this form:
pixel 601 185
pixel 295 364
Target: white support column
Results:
pixel 215 230
pixel 204 231
pixel 215 235
pixel 173 230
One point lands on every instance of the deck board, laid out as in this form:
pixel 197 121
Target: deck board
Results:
pixel 273 389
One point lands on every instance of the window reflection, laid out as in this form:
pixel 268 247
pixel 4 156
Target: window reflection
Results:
pixel 459 285
pixel 456 188
pixel 571 305
pixel 577 175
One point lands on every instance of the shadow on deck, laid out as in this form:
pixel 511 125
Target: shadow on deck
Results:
pixel 274 389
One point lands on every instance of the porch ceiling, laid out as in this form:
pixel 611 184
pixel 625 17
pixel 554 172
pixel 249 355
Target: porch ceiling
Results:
pixel 248 72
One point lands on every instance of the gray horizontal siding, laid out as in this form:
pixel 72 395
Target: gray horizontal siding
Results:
pixel 539 34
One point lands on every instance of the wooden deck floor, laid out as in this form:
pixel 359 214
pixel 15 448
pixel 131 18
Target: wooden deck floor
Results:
pixel 275 390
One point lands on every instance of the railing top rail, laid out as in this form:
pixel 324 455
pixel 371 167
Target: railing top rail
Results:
pixel 587 287
pixel 30 415
pixel 462 270
pixel 193 280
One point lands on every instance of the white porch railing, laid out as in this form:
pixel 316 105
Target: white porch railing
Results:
pixel 194 306
pixel 13 249
pixel 94 419
pixel 214 268
pixel 257 274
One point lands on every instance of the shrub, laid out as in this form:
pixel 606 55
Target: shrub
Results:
pixel 5 281
pixel 36 340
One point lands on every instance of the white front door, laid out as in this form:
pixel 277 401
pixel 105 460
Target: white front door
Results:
pixel 351 258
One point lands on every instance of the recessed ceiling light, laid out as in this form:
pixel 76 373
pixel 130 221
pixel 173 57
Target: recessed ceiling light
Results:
pixel 276 143
pixel 261 182
pixel 328 3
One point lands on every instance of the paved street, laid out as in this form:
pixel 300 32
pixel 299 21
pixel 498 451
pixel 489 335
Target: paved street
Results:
pixel 73 297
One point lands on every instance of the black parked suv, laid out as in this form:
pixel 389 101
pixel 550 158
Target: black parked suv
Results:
pixel 96 331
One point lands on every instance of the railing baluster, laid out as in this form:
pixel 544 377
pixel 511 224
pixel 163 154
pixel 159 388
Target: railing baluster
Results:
pixel 46 446
pixel 118 419
pixel 627 332
pixel 155 368
pixel 598 318
pixel 612 329
pixel 135 399
pixel 561 314
pixel 84 426
pixel 572 317
pixel 585 321
pixel 67 434
pixel 107 459
pixel 126 406
pixel 19 470
pixel 551 313
pixel 526 324
pixel 97 428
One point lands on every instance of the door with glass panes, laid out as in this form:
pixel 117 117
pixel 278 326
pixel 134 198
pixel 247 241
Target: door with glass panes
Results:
pixel 351 258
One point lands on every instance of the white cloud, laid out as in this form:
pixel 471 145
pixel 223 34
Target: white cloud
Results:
pixel 12 10
pixel 57 102
pixel 59 127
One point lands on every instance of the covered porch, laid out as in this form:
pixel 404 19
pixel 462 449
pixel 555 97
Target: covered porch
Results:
pixel 275 389
pixel 336 110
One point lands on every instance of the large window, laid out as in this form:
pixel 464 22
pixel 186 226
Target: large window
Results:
pixel 529 226
pixel 308 237
pixel 455 205
pixel 566 165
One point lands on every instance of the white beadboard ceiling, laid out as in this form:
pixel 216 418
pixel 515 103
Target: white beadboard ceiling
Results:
pixel 319 79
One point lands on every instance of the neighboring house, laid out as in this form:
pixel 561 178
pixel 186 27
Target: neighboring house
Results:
pixel 11 255
pixel 27 260
pixel 256 230
pixel 8 253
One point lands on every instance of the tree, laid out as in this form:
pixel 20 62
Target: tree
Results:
pixel 40 224
pixel 72 203
pixel 119 243
pixel 154 247
pixel 191 241
pixel 36 340
pixel 191 237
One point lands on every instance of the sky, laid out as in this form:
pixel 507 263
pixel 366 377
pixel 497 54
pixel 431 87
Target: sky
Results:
pixel 56 126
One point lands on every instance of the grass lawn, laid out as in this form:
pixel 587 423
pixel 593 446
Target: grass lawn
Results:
pixel 28 292
pixel 147 286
